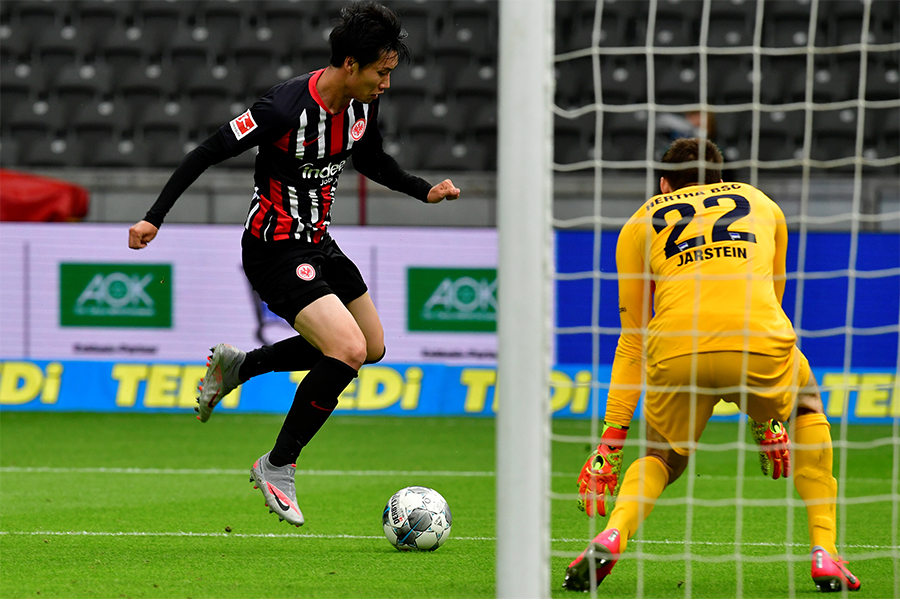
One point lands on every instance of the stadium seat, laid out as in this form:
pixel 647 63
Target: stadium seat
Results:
pixel 731 23
pixel 484 130
pixel 677 82
pixel 786 24
pixel 77 84
pixel 834 134
pixel 434 123
pixel 415 85
pixel 574 78
pixel 571 137
pixel 9 152
pixel 405 150
pixel 455 156
pixel 227 17
pixel 101 120
pixel 43 117
pixel 99 16
pixel 257 47
pixel 42 16
pixel 145 84
pixel 454 48
pixel 161 19
pixel 475 86
pixel 623 80
pixel 167 153
pixel 206 84
pixel 118 153
pixel 53 152
pixel 211 115
pixel 15 44
pixel 882 80
pixel 829 84
pixel 164 120
pixel 60 46
pixel 190 46
pixel 883 125
pixel 125 48
pixel 261 81
pixel 22 80
pixel 775 123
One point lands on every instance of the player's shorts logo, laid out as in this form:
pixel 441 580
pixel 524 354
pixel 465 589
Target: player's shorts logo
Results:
pixel 306 272
pixel 358 129
pixel 243 125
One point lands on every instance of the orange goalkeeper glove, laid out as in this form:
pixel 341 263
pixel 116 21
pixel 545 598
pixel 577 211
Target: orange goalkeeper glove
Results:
pixel 598 482
pixel 774 447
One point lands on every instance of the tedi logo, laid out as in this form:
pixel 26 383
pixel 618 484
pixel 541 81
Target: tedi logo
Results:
pixel 329 170
pixel 116 295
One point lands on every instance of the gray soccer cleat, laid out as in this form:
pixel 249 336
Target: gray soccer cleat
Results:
pixel 221 378
pixel 277 485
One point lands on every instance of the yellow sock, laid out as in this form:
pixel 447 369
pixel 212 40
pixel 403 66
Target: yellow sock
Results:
pixel 646 478
pixel 813 478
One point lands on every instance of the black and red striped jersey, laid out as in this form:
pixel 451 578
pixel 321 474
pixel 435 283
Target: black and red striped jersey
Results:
pixel 302 150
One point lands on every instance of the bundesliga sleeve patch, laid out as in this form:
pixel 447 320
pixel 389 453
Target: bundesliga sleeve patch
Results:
pixel 243 125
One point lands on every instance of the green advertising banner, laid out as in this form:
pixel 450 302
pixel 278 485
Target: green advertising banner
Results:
pixel 452 299
pixel 115 295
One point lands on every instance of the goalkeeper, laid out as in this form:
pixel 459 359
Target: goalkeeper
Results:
pixel 712 257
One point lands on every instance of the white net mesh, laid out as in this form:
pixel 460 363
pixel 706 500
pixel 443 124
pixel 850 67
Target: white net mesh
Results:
pixel 803 98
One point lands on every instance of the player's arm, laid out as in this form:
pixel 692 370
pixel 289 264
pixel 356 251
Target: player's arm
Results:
pixel 370 159
pixel 599 478
pixel 260 124
pixel 780 259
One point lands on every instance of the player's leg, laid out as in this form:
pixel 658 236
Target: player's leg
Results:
pixel 644 482
pixel 669 445
pixel 815 483
pixel 294 353
pixel 797 391
pixel 326 324
pixel 366 316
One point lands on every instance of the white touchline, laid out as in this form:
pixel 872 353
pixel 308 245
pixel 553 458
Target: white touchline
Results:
pixel 335 473
pixel 338 536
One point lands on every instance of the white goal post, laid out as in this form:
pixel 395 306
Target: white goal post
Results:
pixel 524 214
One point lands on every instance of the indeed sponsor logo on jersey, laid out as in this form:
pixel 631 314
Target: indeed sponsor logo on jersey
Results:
pixel 330 170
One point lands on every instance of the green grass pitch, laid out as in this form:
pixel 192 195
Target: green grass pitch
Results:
pixel 160 506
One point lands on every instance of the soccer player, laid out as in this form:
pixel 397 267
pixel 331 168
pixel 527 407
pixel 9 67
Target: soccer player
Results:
pixel 712 256
pixel 306 129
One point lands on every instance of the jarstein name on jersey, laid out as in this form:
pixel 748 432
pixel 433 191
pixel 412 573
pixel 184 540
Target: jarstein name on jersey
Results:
pixel 711 252
pixel 326 173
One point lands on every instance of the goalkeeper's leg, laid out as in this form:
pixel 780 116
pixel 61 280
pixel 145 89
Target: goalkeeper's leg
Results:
pixel 645 480
pixel 817 487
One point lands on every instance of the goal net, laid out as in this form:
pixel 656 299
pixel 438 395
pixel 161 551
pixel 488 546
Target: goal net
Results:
pixel 803 98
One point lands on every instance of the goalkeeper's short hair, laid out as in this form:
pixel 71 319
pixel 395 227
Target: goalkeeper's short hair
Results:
pixel 687 150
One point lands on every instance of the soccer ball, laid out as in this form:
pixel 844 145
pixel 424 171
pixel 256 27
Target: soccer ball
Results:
pixel 417 518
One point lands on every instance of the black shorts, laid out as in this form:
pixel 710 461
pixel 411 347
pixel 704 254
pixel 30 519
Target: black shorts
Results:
pixel 290 275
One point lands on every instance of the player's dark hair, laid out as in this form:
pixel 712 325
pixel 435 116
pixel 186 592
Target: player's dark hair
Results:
pixel 687 150
pixel 366 31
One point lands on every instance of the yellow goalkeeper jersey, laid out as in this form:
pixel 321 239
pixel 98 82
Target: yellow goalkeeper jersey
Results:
pixel 710 260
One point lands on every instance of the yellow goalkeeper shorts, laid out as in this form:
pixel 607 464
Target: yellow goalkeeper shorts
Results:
pixel 678 405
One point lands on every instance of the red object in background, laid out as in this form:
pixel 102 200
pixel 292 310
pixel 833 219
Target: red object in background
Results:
pixel 27 197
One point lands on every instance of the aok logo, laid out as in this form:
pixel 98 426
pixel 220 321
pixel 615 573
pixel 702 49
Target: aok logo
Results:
pixel 108 295
pixel 452 299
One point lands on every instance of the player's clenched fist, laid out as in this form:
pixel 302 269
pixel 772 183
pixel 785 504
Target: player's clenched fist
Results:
pixel 445 190
pixel 140 234
pixel 598 482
